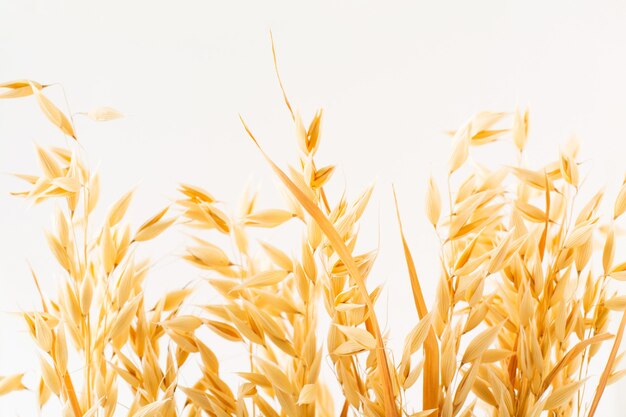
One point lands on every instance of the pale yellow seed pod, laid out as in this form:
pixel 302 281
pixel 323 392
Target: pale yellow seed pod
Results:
pixel 72 201
pixel 460 150
pixel 591 291
pixel 609 251
pixel 582 254
pixel 569 169
pixel 43 333
pixel 62 227
pixel 313 133
pixel 322 176
pixel 475 291
pixel 520 129
pixel 314 234
pixel 308 262
pixel 433 202
pixel 308 172
pixel 86 294
pixel 123 239
pixel 560 321
pixel 526 308
pixel 620 202
pixel 60 350
pixel 93 191
pixel 302 282
pixel 50 376
pixel 107 249
pixel 301 135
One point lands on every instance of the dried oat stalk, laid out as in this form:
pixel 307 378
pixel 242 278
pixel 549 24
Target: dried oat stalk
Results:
pixel 98 321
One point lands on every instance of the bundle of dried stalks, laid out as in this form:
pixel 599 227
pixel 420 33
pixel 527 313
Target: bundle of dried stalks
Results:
pixel 522 306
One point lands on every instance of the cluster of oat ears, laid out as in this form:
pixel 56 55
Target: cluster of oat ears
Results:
pixel 522 305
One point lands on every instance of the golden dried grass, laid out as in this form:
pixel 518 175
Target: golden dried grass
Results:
pixel 521 308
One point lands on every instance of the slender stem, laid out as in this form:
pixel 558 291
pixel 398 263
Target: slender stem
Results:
pixel 609 367
pixel 88 350
pixel 71 395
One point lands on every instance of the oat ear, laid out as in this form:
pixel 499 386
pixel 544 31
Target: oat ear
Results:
pixel 344 254
pixel 52 112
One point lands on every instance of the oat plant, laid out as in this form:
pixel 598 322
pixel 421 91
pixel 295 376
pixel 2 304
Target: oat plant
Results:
pixel 526 292
pixel 98 321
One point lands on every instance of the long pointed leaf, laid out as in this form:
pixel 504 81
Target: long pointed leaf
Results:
pixel 431 360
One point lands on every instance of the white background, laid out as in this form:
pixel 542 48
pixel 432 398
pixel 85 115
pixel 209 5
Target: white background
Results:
pixel 391 76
